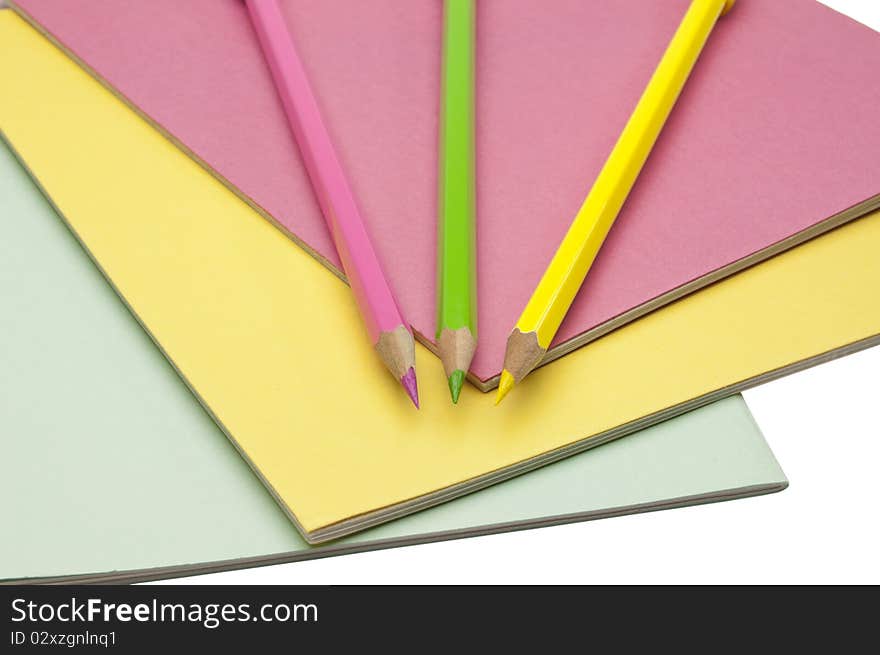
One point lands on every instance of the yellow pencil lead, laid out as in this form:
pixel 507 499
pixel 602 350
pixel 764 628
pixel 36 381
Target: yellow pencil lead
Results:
pixel 504 386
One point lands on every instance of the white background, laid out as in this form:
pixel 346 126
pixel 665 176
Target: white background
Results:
pixel 824 426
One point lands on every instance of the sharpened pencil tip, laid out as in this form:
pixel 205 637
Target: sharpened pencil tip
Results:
pixel 504 386
pixel 411 385
pixel 456 381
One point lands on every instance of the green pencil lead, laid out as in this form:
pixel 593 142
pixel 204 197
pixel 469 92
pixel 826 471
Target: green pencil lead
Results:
pixel 456 381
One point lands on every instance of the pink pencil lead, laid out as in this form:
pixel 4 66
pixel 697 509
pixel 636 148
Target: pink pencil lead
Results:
pixel 411 385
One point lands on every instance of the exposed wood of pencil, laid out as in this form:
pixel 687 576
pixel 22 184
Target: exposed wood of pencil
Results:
pixel 523 354
pixel 456 348
pixel 397 350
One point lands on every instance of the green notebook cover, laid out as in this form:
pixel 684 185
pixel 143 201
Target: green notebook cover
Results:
pixel 110 470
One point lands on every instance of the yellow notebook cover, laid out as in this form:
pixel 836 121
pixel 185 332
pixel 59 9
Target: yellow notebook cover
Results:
pixel 235 305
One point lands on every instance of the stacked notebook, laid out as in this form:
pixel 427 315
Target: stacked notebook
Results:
pixel 157 146
pixel 142 484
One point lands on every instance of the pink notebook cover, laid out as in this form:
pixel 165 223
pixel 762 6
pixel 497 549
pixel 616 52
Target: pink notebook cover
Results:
pixel 776 131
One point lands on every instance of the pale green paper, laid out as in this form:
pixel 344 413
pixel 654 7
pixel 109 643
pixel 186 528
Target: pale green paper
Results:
pixel 108 463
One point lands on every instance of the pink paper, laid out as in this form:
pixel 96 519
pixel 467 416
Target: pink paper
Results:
pixel 776 131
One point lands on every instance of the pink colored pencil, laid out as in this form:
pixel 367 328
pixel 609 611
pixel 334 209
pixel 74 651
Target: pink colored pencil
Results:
pixel 389 333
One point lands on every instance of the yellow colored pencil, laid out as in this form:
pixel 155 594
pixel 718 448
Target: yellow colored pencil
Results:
pixel 531 337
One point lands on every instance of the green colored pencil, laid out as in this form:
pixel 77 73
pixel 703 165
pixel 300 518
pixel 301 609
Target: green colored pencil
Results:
pixel 456 243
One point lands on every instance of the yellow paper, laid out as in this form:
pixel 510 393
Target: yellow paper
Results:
pixel 272 345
